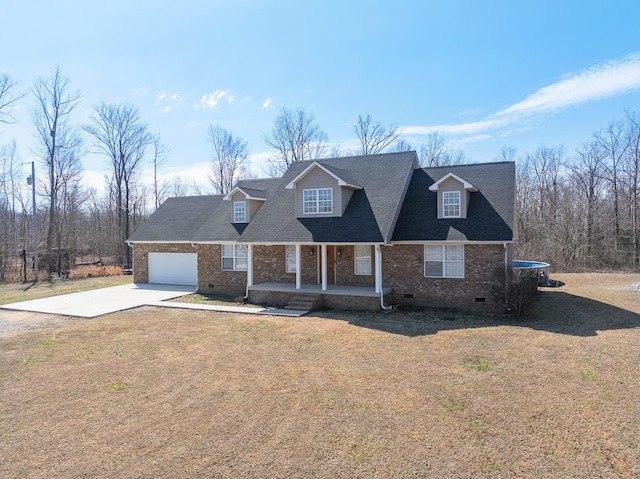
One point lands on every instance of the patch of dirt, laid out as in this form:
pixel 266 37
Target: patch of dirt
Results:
pixel 157 392
pixel 16 322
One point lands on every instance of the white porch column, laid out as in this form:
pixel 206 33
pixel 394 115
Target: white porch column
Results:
pixel 298 268
pixel 324 267
pixel 249 265
pixel 378 265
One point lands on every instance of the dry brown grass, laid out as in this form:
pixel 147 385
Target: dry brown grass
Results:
pixel 174 393
pixel 78 272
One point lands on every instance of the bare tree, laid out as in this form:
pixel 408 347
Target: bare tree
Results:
pixel 178 187
pixel 159 157
pixel 8 98
pixel 54 104
pixel 123 138
pixel 632 170
pixel 436 153
pixel 613 141
pixel 588 173
pixel 295 137
pixel 374 137
pixel 9 196
pixel 507 153
pixel 228 158
pixel 402 145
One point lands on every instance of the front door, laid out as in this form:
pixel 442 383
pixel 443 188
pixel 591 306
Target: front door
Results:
pixel 331 265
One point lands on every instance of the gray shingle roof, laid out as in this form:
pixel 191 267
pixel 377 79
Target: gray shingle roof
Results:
pixel 260 187
pixel 394 204
pixel 178 219
pixel 490 215
pixel 369 216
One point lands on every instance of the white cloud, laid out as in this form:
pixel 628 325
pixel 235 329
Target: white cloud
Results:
pixel 211 100
pixel 601 81
pixel 267 103
pixel 169 100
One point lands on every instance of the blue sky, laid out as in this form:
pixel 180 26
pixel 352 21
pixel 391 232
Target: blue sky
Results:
pixel 482 73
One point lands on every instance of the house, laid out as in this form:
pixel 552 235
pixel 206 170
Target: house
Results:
pixel 361 232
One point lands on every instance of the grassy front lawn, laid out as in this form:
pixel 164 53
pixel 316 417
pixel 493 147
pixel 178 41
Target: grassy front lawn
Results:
pixel 15 292
pixel 173 393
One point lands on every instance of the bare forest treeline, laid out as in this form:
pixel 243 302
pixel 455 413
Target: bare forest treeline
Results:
pixel 578 210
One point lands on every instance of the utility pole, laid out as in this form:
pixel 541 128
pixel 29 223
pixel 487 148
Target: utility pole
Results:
pixel 31 180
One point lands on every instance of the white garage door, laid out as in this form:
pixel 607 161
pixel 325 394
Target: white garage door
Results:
pixel 173 268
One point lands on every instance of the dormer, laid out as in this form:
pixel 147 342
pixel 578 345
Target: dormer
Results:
pixel 453 196
pixel 245 203
pixel 322 191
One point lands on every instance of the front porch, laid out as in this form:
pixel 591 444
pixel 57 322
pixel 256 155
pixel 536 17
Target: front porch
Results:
pixel 334 296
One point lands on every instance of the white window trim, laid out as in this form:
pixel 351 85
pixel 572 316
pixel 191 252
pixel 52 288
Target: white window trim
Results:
pixel 289 249
pixel 239 251
pixel 458 203
pixel 444 261
pixel 363 259
pixel 243 212
pixel 316 202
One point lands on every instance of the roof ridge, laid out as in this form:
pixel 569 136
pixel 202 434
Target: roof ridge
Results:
pixel 468 164
pixel 215 195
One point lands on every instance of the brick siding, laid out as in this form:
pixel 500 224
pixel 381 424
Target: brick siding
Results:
pixel 211 278
pixel 345 268
pixel 482 288
pixel 403 270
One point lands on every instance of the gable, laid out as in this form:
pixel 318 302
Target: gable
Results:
pixel 453 186
pixel 318 180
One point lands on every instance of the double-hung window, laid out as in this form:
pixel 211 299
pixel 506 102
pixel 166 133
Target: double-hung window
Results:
pixel 444 261
pixel 290 258
pixel 318 200
pixel 239 211
pixel 234 257
pixel 362 259
pixel 451 204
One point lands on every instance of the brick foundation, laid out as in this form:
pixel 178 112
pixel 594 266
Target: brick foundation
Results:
pixel 354 303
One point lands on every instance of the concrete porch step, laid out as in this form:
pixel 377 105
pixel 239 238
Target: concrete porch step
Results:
pixel 304 302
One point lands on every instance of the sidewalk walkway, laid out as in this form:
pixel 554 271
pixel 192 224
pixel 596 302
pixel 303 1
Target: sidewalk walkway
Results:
pixel 97 302
pixel 229 309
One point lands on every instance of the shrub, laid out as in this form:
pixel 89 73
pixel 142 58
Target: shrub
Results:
pixel 521 287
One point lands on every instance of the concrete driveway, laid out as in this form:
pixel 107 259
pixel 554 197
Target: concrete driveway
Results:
pixel 97 302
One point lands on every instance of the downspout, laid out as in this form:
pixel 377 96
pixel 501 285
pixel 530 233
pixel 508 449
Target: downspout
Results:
pixel 383 306
pixel 506 275
pixel 249 270
pixel 506 255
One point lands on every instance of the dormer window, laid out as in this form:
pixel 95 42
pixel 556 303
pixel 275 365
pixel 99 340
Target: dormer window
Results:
pixel 453 196
pixel 451 204
pixel 317 201
pixel 239 211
